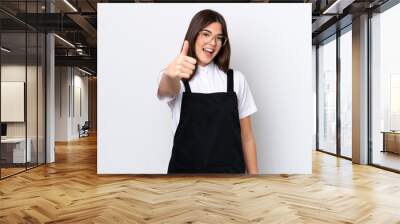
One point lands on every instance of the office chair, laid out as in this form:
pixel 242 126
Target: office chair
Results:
pixel 84 130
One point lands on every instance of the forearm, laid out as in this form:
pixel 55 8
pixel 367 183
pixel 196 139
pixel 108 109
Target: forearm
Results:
pixel 250 156
pixel 168 86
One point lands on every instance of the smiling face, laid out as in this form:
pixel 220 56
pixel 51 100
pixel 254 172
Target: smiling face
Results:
pixel 208 43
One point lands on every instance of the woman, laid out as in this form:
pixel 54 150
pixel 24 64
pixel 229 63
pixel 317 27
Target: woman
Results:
pixel 211 105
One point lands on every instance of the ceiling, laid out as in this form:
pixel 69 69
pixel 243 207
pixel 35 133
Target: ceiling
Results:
pixel 76 22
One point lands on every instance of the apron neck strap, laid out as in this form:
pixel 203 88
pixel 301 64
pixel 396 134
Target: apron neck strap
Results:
pixel 230 81
pixel 187 86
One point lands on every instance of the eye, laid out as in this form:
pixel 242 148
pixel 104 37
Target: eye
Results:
pixel 206 34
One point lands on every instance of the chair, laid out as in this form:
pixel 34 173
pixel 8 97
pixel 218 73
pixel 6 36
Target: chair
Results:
pixel 84 130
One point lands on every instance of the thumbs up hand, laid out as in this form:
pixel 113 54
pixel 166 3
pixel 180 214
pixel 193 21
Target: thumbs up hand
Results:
pixel 182 66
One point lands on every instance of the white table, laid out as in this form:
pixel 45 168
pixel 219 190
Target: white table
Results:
pixel 19 149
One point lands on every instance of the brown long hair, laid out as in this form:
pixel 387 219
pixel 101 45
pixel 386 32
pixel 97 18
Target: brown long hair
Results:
pixel 198 23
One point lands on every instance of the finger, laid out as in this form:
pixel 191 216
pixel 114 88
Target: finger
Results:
pixel 184 75
pixel 185 48
pixel 186 70
pixel 190 60
pixel 188 65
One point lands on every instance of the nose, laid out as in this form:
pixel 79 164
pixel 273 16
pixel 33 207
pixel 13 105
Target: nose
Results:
pixel 213 41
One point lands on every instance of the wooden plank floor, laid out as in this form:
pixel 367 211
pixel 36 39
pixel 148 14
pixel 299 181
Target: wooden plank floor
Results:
pixel 70 191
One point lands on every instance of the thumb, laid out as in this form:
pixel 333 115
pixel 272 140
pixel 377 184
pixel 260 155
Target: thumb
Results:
pixel 185 48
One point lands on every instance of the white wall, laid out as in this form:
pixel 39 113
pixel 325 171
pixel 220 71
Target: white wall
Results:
pixel 61 103
pixel 273 50
pixel 80 84
pixel 67 84
pixel 314 88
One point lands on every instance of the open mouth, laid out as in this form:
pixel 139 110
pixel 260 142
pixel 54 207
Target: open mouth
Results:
pixel 208 51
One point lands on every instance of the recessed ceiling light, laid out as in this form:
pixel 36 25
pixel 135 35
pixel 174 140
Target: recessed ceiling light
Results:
pixel 70 5
pixel 84 71
pixel 64 40
pixel 5 50
pixel 337 7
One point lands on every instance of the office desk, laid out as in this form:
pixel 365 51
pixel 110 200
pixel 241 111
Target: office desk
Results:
pixel 13 150
pixel 391 141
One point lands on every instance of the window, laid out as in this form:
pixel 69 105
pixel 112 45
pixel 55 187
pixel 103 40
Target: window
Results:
pixel 385 88
pixel 346 93
pixel 327 96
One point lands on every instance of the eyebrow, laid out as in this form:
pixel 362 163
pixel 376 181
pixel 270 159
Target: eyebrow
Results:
pixel 220 34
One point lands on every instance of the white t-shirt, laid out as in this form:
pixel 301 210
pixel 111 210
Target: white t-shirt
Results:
pixel 211 79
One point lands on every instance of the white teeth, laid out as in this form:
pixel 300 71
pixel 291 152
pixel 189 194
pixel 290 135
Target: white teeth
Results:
pixel 208 50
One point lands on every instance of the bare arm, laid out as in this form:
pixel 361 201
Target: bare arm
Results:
pixel 168 86
pixel 181 67
pixel 248 145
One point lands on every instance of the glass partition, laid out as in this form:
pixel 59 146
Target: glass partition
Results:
pixel 14 153
pixel 22 63
pixel 385 89
pixel 346 94
pixel 41 88
pixel 327 96
pixel 32 95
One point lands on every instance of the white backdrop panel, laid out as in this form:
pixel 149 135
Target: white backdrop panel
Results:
pixel 271 46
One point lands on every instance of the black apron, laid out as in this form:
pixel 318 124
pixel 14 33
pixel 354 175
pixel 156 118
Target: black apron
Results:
pixel 207 139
